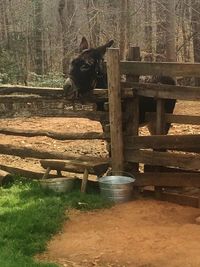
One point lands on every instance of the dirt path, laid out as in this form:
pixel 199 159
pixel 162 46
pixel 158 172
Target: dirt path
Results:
pixel 143 233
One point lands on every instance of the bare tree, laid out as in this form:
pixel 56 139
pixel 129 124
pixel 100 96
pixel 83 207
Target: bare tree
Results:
pixel 148 29
pixel 92 13
pixel 66 11
pixel 125 23
pixel 170 31
pixel 38 29
pixel 196 32
pixel 161 30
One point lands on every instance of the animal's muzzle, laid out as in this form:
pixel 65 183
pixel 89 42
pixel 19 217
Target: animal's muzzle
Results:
pixel 70 90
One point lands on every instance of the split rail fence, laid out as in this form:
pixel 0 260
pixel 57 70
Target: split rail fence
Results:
pixel 178 166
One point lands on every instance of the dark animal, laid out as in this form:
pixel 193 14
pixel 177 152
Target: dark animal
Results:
pixel 87 71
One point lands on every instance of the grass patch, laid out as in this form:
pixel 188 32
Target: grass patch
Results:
pixel 29 216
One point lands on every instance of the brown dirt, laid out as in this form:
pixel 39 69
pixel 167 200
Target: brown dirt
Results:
pixel 140 233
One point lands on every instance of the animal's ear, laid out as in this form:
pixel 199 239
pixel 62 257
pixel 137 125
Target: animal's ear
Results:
pixel 83 45
pixel 102 49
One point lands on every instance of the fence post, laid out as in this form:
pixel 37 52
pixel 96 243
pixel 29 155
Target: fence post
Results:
pixel 132 105
pixel 160 125
pixel 115 110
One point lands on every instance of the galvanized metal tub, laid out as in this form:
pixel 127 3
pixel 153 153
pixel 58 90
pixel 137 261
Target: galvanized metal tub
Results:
pixel 60 185
pixel 116 188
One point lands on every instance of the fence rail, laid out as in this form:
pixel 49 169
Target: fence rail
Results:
pixel 172 69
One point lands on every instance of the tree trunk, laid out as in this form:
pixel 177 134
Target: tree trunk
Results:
pixel 170 31
pixel 93 22
pixel 148 30
pixel 196 33
pixel 161 31
pixel 66 11
pixel 38 5
pixel 123 29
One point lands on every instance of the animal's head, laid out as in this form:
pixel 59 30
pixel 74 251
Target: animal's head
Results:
pixel 87 70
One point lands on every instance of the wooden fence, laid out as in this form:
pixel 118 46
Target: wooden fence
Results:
pixel 178 169
pixel 23 101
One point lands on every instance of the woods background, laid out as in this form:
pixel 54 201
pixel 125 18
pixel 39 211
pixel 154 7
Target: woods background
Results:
pixel 39 37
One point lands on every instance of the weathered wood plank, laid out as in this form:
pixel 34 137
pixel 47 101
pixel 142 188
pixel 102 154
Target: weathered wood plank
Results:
pixel 165 91
pixel 42 91
pixel 76 166
pixel 183 161
pixel 167 179
pixel 180 199
pixel 149 168
pixel 59 98
pixel 130 89
pixel 48 111
pixel 174 142
pixel 103 93
pixel 179 119
pixel 115 111
pixel 132 104
pixel 23 151
pixel 84 181
pixel 19 91
pixel 32 174
pixel 131 107
pixel 175 198
pixel 160 68
pixel 160 119
pixel 54 135
pixel 160 129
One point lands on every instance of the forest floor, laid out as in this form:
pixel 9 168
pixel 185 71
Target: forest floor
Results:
pixel 142 233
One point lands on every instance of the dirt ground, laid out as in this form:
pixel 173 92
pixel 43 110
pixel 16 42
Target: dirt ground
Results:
pixel 142 233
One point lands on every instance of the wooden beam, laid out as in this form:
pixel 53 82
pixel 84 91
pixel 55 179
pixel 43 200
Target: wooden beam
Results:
pixel 180 199
pixel 115 111
pixel 54 135
pixel 47 111
pixel 180 119
pixel 149 168
pixel 103 93
pixel 167 179
pixel 59 99
pixel 23 151
pixel 11 92
pixel 132 105
pixel 183 161
pixel 174 142
pixel 32 174
pixel 84 181
pixel 160 129
pixel 76 166
pixel 165 91
pixel 175 198
pixel 160 68
pixel 42 91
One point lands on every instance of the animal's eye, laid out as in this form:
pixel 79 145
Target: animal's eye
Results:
pixel 85 67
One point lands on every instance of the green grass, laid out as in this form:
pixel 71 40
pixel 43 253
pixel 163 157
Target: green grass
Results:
pixel 29 216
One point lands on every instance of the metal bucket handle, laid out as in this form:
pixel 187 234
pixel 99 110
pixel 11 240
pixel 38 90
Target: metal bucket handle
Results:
pixel 121 172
